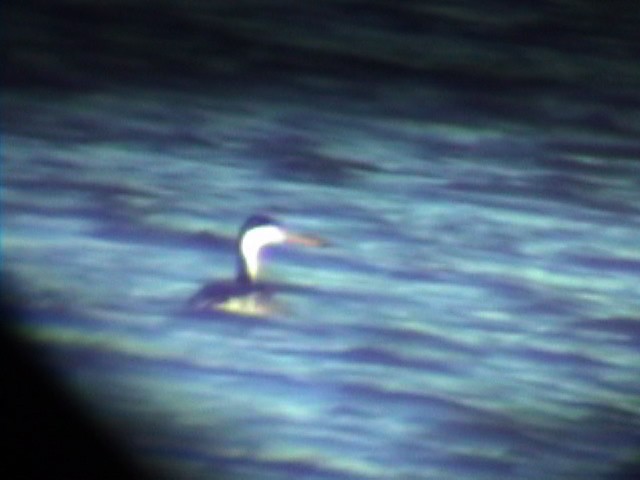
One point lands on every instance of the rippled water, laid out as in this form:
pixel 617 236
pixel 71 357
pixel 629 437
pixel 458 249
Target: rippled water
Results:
pixel 475 315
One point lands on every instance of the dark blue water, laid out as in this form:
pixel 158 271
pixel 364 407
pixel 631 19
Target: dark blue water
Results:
pixel 475 315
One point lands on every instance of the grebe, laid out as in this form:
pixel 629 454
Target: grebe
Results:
pixel 245 295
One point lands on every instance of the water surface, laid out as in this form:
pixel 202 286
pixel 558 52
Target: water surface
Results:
pixel 475 316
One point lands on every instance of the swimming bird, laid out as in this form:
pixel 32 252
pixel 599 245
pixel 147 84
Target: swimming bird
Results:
pixel 246 295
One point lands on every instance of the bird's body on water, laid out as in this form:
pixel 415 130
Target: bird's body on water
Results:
pixel 246 295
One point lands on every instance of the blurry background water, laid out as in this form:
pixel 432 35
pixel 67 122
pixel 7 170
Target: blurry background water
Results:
pixel 475 167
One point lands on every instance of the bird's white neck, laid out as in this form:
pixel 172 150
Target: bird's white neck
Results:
pixel 253 241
